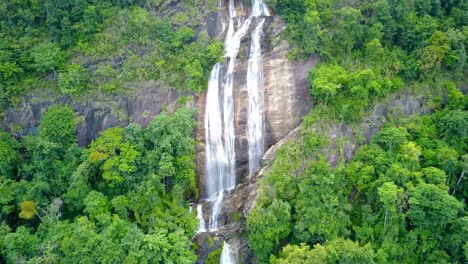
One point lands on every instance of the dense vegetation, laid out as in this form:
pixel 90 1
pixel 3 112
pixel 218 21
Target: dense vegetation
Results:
pixel 101 45
pixel 402 198
pixel 125 197
pixel 121 200
pixel 372 48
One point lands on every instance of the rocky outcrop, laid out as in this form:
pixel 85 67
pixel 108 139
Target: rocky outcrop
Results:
pixel 237 205
pixel 96 112
pixel 286 93
pixel 344 140
pixel 139 103
pixel 286 100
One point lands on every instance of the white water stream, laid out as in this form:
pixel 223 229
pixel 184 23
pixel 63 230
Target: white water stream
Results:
pixel 220 164
pixel 255 122
pixel 227 255
pixel 201 225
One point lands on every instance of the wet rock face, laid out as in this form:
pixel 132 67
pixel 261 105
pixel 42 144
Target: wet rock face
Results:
pixel 286 92
pixel 96 112
pixel 286 101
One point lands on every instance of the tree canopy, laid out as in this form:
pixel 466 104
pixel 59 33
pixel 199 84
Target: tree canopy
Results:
pixel 112 202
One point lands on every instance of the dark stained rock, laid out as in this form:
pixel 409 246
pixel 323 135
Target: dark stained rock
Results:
pixel 286 94
pixel 96 112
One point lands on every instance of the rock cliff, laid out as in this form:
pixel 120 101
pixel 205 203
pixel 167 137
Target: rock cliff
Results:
pixel 344 142
pixel 286 93
pixel 96 112
pixel 286 100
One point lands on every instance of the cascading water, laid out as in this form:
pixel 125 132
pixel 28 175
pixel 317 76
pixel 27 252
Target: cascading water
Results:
pixel 219 120
pixel 219 114
pixel 227 255
pixel 255 122
pixel 259 8
pixel 201 225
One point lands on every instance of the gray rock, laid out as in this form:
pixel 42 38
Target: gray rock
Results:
pixel 286 95
pixel 96 112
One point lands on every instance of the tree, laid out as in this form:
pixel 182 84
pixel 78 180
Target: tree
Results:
pixel 455 129
pixel 20 245
pixel 320 212
pixel 301 254
pixel 115 156
pixel 456 237
pixel 349 33
pixel 96 205
pixel 28 209
pixel 392 198
pixel 74 79
pixel 434 176
pixel 162 247
pixel 47 57
pixel 326 81
pixel 85 244
pixel 171 149
pixel 58 126
pixel 458 57
pixel 347 251
pixel 335 251
pixel 267 226
pixel 8 154
pixel 194 73
pixel 391 138
pixel 91 23
pixel 437 54
pixel 431 207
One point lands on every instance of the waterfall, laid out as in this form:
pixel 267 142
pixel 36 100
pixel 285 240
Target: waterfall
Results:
pixel 227 255
pixel 219 119
pixel 255 122
pixel 220 173
pixel 216 159
pixel 217 201
pixel 201 223
pixel 259 8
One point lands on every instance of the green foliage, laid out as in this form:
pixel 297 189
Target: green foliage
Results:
pixel 175 55
pixel 299 254
pixel 370 49
pixel 96 205
pixel 58 125
pixel 172 153
pixel 28 210
pixel 47 57
pixel 117 158
pixel 327 81
pixel 454 128
pixel 214 256
pixel 8 154
pixel 236 216
pixel 20 245
pixel 431 207
pixel 267 226
pixel 316 224
pixel 401 196
pixel 121 203
pixel 73 80
pixel 336 251
pixel 391 138
pixel 348 94
pixel 347 251
pixel 71 38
